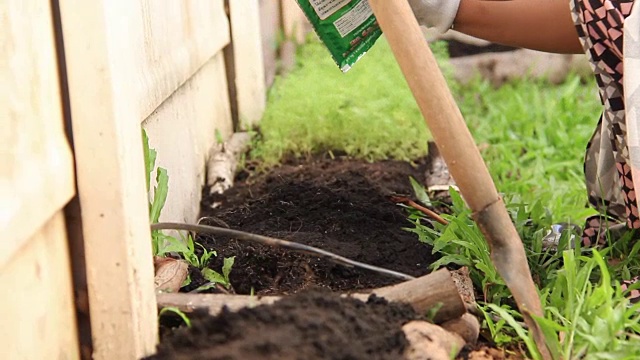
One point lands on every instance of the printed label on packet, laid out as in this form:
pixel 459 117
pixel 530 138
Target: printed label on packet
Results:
pixel 353 18
pixel 348 28
pixel 326 8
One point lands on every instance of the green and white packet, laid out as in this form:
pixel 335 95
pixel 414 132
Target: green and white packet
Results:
pixel 347 28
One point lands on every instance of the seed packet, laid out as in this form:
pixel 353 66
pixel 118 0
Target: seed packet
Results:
pixel 347 28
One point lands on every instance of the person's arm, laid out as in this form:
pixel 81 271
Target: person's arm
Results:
pixel 543 25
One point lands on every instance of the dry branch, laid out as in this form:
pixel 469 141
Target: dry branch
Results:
pixel 223 162
pixel 426 292
pixel 430 213
pixel 423 293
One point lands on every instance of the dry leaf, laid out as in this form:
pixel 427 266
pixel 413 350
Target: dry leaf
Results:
pixel 170 274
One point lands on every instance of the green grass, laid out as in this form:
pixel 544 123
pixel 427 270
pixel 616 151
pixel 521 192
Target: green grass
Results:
pixel 586 313
pixel 536 135
pixel 368 112
pixel 536 132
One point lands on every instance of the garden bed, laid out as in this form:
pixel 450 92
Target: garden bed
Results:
pixel 340 205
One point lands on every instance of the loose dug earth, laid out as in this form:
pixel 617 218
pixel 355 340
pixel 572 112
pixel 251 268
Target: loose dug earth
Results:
pixel 341 206
pixel 308 325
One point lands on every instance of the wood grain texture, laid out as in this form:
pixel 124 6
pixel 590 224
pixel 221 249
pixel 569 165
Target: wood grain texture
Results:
pixel 37 298
pixel 183 130
pixel 102 62
pixel 459 150
pixel 171 41
pixel 248 61
pixel 36 169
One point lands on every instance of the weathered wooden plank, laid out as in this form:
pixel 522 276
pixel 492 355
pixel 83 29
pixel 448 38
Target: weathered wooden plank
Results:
pixel 248 62
pixel 270 28
pixel 103 59
pixel 37 302
pixel 36 169
pixel 294 23
pixel 183 130
pixel 176 39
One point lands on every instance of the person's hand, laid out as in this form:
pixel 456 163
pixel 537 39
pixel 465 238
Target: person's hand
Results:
pixel 438 14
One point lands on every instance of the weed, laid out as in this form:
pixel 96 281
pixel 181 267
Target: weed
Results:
pixel 175 310
pixel 586 312
pixel 591 316
pixel 163 244
pixel 215 277
pixel 160 191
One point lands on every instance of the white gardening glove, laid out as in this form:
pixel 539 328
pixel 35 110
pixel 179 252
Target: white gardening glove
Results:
pixel 438 14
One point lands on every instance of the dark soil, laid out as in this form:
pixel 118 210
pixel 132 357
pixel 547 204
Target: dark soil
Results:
pixel 341 206
pixel 308 325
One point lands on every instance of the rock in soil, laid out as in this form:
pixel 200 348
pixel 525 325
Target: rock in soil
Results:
pixel 309 325
pixel 341 206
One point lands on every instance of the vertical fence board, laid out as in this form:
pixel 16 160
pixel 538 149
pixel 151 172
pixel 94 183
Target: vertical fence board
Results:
pixel 294 23
pixel 177 39
pixel 101 64
pixel 270 29
pixel 183 129
pixel 36 169
pixel 36 181
pixel 37 307
pixel 248 62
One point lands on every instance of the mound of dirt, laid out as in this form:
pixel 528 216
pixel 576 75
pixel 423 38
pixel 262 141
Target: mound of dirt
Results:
pixel 341 206
pixel 308 325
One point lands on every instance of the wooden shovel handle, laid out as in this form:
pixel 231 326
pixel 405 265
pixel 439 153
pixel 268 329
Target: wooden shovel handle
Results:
pixel 459 151
pixel 435 101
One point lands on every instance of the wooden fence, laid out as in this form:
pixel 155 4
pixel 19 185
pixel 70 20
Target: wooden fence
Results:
pixel 79 80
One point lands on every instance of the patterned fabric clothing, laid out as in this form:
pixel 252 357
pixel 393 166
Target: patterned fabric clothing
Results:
pixel 609 183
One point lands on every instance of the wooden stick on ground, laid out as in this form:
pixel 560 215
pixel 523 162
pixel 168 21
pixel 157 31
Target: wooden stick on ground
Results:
pixel 460 153
pixel 422 293
pixel 430 213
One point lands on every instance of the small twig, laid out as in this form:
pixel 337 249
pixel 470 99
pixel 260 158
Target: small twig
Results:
pixel 413 204
pixel 265 240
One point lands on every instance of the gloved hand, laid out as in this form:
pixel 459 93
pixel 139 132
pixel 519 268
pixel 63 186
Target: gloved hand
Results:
pixel 438 14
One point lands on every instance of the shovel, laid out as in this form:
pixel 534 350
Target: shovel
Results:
pixel 461 154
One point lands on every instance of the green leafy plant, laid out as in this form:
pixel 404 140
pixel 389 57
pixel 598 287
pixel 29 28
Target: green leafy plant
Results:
pixel 586 312
pixel 533 135
pixel 160 191
pixel 420 192
pixel 175 310
pixel 461 243
pixel 164 244
pixel 369 113
pixel 216 278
